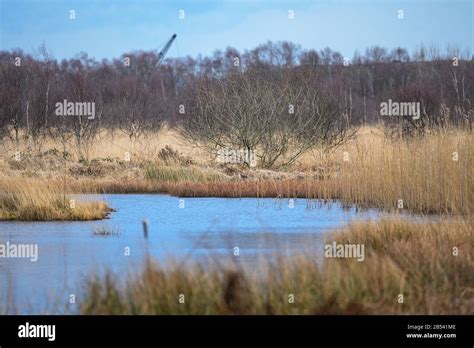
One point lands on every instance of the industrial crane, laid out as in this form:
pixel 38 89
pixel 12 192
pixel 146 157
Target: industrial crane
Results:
pixel 161 56
pixel 165 49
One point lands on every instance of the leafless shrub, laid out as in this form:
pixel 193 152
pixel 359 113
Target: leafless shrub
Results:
pixel 170 156
pixel 279 116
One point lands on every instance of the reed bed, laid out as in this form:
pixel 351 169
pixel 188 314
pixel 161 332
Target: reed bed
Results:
pixel 432 174
pixel 44 200
pixel 182 174
pixel 402 258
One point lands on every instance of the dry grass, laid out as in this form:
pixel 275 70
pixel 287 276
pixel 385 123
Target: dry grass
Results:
pixel 419 173
pixel 401 258
pixel 183 174
pixel 115 145
pixel 379 173
pixel 432 174
pixel 38 200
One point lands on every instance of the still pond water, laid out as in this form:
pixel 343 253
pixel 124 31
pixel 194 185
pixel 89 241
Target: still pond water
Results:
pixel 190 228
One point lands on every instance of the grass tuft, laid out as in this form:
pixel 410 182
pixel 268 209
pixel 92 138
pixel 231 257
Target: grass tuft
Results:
pixel 42 200
pixel 182 174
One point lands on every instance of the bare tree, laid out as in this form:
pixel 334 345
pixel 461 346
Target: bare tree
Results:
pixel 280 117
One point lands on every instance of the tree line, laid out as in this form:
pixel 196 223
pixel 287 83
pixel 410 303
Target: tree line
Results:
pixel 274 96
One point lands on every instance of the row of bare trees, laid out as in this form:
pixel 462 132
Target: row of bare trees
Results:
pixel 30 88
pixel 232 98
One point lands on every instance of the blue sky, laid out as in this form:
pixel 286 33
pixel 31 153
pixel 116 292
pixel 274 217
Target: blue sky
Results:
pixel 106 29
